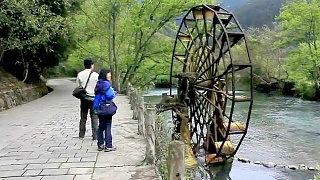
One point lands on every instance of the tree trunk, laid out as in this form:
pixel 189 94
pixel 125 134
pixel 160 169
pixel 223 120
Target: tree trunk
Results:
pixel 2 49
pixel 116 78
pixel 131 70
pixel 140 56
pixel 25 72
pixel 110 41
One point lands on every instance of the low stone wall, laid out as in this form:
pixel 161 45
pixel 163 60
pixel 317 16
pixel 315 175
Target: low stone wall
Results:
pixel 15 97
pixel 14 92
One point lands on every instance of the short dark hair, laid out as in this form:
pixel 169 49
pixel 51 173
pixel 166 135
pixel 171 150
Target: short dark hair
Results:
pixel 87 63
pixel 103 74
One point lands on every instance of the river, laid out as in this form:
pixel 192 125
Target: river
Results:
pixel 282 130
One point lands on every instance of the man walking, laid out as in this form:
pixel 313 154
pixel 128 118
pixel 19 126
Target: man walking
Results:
pixel 87 78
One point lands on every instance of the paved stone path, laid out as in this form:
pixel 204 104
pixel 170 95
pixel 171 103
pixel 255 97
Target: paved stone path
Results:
pixel 39 140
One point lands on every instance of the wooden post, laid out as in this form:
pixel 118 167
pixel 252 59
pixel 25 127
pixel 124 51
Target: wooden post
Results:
pixel 138 114
pixel 133 101
pixel 150 135
pixel 135 105
pixel 176 159
pixel 128 88
pixel 141 124
pixel 131 96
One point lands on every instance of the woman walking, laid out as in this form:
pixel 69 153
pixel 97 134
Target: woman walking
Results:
pixel 103 101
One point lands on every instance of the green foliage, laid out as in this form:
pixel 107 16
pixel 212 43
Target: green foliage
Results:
pixel 298 20
pixel 29 25
pixel 303 68
pixel 162 145
pixel 267 59
pixel 317 177
pixel 148 19
pixel 155 68
pixel 34 35
pixel 301 32
pixel 288 53
pixel 141 47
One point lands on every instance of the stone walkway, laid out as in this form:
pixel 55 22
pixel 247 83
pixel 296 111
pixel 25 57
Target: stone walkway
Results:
pixel 39 140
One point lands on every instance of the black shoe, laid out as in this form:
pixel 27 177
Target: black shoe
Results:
pixel 100 147
pixel 110 149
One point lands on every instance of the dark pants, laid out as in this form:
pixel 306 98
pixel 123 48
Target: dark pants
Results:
pixel 85 106
pixel 105 123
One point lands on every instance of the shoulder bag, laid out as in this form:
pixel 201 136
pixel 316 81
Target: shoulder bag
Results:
pixel 81 92
pixel 107 108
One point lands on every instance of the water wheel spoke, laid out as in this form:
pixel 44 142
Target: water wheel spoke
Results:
pixel 196 123
pixel 205 114
pixel 201 109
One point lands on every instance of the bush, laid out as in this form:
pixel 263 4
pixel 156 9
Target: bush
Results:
pixel 162 81
pixel 162 145
pixel 305 90
pixel 62 70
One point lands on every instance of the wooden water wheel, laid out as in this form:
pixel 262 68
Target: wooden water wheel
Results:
pixel 207 83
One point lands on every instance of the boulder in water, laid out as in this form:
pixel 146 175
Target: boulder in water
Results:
pixel 303 167
pixel 269 164
pixel 293 167
pixel 244 160
pixel 311 168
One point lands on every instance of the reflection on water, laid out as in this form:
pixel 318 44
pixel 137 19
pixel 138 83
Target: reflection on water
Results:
pixel 283 130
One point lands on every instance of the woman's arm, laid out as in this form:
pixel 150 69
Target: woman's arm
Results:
pixel 110 93
pixel 96 101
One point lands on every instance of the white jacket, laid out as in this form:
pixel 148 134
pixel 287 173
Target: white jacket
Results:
pixel 83 77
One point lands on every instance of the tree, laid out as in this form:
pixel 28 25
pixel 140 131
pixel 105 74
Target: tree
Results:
pixel 130 35
pixel 97 34
pixel 301 32
pixel 34 35
pixel 148 18
pixel 267 58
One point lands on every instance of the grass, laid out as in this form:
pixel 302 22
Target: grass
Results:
pixel 162 145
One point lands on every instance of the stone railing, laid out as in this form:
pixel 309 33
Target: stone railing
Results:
pixel 146 115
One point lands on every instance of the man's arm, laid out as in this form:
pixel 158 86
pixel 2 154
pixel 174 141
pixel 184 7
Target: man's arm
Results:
pixel 78 81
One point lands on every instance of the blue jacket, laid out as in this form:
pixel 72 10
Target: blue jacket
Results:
pixel 103 92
